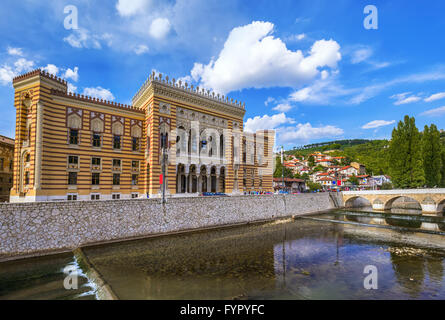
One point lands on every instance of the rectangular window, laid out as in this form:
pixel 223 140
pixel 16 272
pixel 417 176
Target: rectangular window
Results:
pixel 74 136
pixel 134 179
pixel 134 195
pixel 95 197
pixel 116 142
pixel 2 163
pixel 27 177
pixel 95 179
pixel 95 161
pixel 72 197
pixel 73 160
pixel 72 178
pixel 116 179
pixel 135 165
pixel 116 164
pixel 97 139
pixel 116 196
pixel 135 144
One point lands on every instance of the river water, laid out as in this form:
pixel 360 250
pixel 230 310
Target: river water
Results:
pixel 315 257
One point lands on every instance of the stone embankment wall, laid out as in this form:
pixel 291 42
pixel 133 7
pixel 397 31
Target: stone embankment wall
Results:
pixel 46 227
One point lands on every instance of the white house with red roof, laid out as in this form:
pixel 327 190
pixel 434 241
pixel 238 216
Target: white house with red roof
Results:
pixel 348 171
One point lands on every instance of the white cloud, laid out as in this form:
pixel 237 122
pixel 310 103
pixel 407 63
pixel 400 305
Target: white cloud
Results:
pixel 159 28
pixel 282 107
pixel 83 38
pixel 377 123
pixel 266 122
pixel 72 74
pixel 434 97
pixel 361 55
pixel 323 91
pixel 128 8
pixel 99 92
pixel 253 58
pixel 15 51
pixel 52 69
pixel 141 49
pixel 404 98
pixel 269 100
pixel 434 112
pixel 296 37
pixel 6 75
pixel 71 87
pixel 9 72
pixel 306 132
pixel 23 65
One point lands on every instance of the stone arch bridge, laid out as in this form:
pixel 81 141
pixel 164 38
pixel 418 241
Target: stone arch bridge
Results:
pixel 432 201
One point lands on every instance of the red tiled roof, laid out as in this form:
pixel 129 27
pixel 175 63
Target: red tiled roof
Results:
pixel 287 180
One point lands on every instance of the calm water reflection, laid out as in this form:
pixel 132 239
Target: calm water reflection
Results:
pixel 301 259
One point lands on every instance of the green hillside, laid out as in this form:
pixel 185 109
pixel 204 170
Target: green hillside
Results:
pixel 371 153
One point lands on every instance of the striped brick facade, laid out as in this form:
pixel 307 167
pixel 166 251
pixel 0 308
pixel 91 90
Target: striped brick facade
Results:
pixel 72 147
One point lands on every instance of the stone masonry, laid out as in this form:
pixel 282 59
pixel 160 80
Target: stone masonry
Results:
pixel 45 227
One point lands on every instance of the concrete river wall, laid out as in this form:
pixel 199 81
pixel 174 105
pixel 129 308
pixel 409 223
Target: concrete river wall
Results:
pixel 29 229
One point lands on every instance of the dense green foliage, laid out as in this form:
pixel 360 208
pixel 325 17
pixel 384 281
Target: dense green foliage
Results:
pixel 405 155
pixel 314 186
pixel 432 156
pixel 412 158
pixel 279 169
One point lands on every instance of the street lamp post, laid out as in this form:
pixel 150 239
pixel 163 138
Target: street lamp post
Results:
pixel 164 154
pixel 282 168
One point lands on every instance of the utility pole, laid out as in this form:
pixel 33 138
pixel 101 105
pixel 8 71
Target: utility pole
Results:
pixel 282 167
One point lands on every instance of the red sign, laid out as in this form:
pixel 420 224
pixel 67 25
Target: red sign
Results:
pixel 339 182
pixel 161 179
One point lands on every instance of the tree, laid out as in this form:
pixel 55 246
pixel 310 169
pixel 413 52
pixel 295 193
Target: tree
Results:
pixel 405 155
pixel 442 171
pixel 314 186
pixel 386 186
pixel 353 179
pixel 318 168
pixel 311 161
pixel 278 170
pixel 432 156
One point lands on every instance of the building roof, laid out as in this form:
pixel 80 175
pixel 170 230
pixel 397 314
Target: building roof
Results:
pixel 7 140
pixel 287 180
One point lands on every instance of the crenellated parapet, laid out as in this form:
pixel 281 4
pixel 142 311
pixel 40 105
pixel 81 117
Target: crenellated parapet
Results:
pixel 40 73
pixel 189 89
pixel 81 97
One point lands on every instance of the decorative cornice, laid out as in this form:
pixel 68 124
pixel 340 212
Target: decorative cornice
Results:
pixel 184 92
pixel 89 99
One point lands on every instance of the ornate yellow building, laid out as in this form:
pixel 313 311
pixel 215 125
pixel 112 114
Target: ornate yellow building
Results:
pixel 6 167
pixel 73 147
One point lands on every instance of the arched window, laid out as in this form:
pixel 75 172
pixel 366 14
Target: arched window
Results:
pixel 221 146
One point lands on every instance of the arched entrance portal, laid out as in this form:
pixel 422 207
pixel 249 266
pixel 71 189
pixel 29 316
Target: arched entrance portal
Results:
pixel 203 178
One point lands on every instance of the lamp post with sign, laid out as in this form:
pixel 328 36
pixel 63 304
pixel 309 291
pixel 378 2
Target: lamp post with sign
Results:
pixel 164 143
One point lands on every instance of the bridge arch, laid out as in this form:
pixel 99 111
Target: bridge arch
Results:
pixel 441 206
pixel 357 202
pixel 389 204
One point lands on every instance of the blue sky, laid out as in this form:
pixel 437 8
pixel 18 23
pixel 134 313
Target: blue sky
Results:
pixel 308 69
